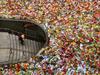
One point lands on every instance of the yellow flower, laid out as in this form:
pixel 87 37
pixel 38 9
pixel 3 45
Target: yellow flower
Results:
pixel 29 7
pixel 73 43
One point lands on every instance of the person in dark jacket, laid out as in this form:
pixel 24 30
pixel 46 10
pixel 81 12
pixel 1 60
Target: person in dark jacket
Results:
pixel 21 39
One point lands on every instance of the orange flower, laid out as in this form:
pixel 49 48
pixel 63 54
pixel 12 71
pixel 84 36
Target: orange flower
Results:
pixel 97 14
pixel 75 73
pixel 98 33
pixel 25 66
pixel 68 1
pixel 87 5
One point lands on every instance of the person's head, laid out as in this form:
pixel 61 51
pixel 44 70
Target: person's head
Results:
pixel 23 36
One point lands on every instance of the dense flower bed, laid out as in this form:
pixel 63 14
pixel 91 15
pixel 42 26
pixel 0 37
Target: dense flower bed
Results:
pixel 73 29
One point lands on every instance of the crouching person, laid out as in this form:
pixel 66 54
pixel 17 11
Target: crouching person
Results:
pixel 21 39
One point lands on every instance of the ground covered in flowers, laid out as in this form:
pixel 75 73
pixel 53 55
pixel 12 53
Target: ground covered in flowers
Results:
pixel 74 33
